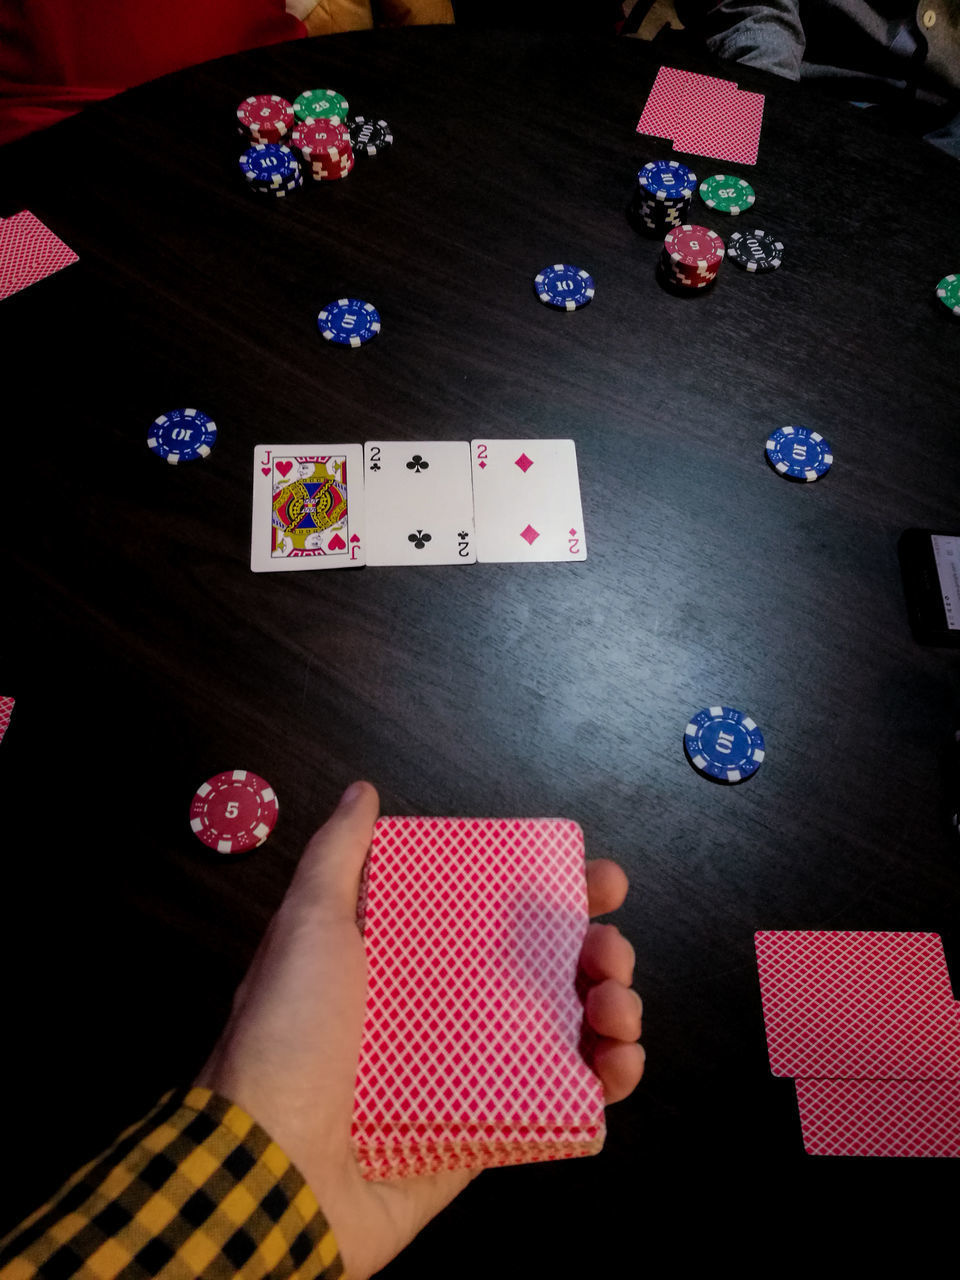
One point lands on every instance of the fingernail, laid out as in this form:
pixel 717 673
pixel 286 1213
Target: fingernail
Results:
pixel 350 794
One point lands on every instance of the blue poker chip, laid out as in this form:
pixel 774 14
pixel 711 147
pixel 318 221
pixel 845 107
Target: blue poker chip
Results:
pixel 564 287
pixel 667 180
pixel 269 164
pixel 724 744
pixel 350 322
pixel 798 453
pixel 180 435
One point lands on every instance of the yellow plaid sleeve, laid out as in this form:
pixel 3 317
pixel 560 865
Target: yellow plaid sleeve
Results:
pixel 195 1191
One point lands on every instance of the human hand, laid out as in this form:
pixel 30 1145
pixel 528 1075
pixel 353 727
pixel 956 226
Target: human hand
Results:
pixel 289 1052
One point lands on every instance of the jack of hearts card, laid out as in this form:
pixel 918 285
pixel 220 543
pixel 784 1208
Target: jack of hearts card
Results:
pixel 308 509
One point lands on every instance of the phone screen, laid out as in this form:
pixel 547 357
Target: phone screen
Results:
pixel 946 555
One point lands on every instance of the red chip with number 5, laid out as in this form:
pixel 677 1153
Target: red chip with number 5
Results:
pixel 234 811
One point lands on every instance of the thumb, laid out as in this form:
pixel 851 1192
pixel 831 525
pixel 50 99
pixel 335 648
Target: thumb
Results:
pixel 327 879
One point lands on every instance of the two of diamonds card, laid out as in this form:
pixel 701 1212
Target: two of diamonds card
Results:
pixel 426 502
pixel 866 1024
pixel 470 1055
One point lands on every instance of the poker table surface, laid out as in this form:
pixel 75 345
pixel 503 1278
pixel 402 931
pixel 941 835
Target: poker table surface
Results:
pixel 145 656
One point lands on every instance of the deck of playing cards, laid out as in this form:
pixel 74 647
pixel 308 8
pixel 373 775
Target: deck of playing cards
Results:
pixel 429 502
pixel 703 116
pixel 867 1025
pixel 470 1056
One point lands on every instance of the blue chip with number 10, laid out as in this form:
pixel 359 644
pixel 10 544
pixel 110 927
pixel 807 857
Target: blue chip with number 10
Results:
pixel 797 453
pixel 564 287
pixel 724 744
pixel 667 180
pixel 349 322
pixel 180 435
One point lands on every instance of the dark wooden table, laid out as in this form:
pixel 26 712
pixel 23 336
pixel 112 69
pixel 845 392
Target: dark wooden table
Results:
pixel 145 656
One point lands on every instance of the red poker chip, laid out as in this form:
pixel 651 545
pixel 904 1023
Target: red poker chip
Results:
pixel 694 247
pixel 319 136
pixel 266 113
pixel 234 811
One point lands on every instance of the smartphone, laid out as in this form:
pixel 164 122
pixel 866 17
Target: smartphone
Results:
pixel 930 565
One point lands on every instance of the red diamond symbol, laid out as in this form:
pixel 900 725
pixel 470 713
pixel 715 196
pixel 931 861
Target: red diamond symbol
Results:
pixel 524 463
pixel 481 465
pixel 530 534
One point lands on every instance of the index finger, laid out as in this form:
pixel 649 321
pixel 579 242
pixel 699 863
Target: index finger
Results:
pixel 607 886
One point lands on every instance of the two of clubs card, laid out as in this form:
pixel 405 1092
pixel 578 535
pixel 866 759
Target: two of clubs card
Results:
pixel 470 1056
pixel 867 1026
pixel 427 502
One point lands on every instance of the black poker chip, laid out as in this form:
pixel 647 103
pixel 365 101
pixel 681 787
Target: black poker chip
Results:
pixel 754 250
pixel 369 135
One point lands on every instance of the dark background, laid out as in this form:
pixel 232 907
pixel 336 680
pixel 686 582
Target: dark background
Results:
pixel 146 657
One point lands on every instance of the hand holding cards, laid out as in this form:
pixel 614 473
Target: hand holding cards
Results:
pixel 470 1056
pixel 430 502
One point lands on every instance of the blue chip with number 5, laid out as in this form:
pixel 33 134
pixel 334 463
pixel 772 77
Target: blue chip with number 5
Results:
pixel 724 744
pixel 180 435
pixel 797 453
pixel 566 288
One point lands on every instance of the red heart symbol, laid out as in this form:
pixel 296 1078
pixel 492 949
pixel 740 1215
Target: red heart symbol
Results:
pixel 336 543
pixel 265 470
pixel 284 468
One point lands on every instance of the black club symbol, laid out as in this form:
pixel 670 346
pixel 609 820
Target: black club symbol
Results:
pixel 419 539
pixel 418 464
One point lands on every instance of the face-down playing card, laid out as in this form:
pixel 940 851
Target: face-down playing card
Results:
pixel 880 1117
pixel 308 508
pixel 29 252
pixel 419 502
pixel 470 1054
pixel 858 1005
pixel 526 496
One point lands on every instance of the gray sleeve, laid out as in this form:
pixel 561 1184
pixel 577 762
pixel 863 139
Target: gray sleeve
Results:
pixel 768 36
pixel 947 138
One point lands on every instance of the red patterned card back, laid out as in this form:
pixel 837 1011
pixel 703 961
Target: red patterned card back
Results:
pixel 473 929
pixel 880 1117
pixel 858 1005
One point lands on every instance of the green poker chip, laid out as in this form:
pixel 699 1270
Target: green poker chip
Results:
pixel 948 291
pixel 726 194
pixel 320 104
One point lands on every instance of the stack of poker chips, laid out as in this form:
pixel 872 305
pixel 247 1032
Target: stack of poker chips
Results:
pixel 270 167
pixel 325 147
pixel 691 257
pixel 266 117
pixel 662 197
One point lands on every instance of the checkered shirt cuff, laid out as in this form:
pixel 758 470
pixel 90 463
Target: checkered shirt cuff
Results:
pixel 195 1191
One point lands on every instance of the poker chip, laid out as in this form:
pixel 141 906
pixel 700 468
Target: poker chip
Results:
pixel 754 250
pixel 564 287
pixel 333 163
pixel 948 291
pixel 667 180
pixel 320 138
pixel 349 322
pixel 726 194
pixel 320 104
pixel 661 199
pixel 234 812
pixel 691 257
pixel 266 117
pixel 180 435
pixel 269 166
pixel 370 136
pixel 799 453
pixel 724 744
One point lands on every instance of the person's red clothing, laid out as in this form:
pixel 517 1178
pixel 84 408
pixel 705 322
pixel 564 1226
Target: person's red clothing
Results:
pixel 58 55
